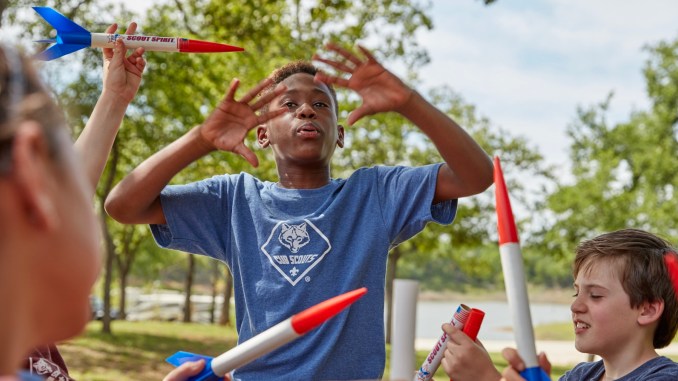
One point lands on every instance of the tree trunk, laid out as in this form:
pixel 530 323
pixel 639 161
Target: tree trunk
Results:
pixel 215 290
pixel 391 268
pixel 108 275
pixel 225 318
pixel 188 288
pixel 109 245
pixel 124 262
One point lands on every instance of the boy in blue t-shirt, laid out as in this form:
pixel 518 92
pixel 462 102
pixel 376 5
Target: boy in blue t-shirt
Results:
pixel 296 242
pixel 625 307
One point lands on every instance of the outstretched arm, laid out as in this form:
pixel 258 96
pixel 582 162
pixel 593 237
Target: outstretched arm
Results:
pixel 467 170
pixel 136 199
pixel 122 77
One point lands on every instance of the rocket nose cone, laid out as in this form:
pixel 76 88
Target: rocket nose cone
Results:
pixel 312 317
pixel 505 223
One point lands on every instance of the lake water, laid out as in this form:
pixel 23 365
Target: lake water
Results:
pixel 496 324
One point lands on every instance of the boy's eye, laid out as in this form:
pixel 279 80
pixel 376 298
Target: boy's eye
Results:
pixel 593 296
pixel 290 104
pixel 320 104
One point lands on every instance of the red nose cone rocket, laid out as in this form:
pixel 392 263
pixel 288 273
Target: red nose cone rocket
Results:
pixel 312 317
pixel 505 223
pixel 198 46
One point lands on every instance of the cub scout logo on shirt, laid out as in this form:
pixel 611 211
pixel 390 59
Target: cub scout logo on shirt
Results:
pixel 295 247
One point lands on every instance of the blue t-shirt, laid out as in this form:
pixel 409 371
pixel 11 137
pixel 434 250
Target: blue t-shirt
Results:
pixel 289 249
pixel 26 376
pixel 657 369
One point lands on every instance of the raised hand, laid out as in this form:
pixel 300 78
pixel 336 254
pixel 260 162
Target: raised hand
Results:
pixel 228 125
pixel 380 90
pixel 122 74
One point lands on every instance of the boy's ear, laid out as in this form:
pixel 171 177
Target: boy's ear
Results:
pixel 32 173
pixel 340 136
pixel 650 312
pixel 262 136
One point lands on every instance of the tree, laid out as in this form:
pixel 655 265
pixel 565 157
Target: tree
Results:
pixel 625 174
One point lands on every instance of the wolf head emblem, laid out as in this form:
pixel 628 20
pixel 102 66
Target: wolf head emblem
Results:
pixel 294 237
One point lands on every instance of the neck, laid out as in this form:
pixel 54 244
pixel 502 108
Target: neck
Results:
pixel 304 179
pixel 14 344
pixel 17 336
pixel 619 366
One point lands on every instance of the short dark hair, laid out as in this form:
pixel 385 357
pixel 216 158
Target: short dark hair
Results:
pixel 638 257
pixel 297 67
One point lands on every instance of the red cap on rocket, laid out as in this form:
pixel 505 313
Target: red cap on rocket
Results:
pixel 312 317
pixel 198 46
pixel 505 223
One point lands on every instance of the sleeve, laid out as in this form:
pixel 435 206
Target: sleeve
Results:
pixel 197 217
pixel 406 195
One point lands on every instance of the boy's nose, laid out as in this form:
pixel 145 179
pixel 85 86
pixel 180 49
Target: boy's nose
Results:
pixel 305 111
pixel 577 305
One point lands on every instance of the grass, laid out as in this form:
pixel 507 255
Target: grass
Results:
pixel 137 350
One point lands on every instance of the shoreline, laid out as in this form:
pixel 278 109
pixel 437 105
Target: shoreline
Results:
pixel 536 295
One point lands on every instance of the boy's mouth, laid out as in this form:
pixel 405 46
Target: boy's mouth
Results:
pixel 580 326
pixel 308 130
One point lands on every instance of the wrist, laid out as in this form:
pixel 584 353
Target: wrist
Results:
pixel 198 140
pixel 410 103
pixel 114 98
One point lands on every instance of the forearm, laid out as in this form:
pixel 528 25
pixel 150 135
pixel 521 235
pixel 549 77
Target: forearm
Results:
pixel 136 199
pixel 96 140
pixel 470 166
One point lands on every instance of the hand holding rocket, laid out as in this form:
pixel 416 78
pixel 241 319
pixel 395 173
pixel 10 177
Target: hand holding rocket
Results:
pixel 72 37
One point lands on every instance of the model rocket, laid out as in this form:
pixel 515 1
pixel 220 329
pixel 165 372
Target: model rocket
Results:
pixel 71 37
pixel 272 338
pixel 432 361
pixel 514 279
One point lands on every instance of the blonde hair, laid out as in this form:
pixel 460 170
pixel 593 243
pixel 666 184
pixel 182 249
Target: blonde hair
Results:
pixel 23 97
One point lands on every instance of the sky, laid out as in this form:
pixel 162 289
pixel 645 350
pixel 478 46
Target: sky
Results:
pixel 527 65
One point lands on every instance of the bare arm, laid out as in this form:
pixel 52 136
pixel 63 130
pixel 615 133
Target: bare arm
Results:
pixel 467 170
pixel 122 77
pixel 136 199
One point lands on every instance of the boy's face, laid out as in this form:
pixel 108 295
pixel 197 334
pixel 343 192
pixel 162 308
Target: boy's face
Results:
pixel 604 322
pixel 308 133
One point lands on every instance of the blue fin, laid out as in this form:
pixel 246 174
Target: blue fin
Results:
pixel 206 375
pixel 60 22
pixel 58 50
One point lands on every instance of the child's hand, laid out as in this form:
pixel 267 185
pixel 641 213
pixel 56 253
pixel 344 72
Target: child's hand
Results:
pixel 379 89
pixel 188 369
pixel 516 364
pixel 228 125
pixel 122 75
pixel 466 360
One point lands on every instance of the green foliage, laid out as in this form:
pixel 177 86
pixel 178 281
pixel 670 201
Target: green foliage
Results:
pixel 466 252
pixel 625 174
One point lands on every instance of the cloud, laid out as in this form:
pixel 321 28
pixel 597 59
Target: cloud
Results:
pixel 528 66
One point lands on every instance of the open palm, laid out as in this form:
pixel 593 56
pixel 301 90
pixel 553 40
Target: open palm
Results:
pixel 228 125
